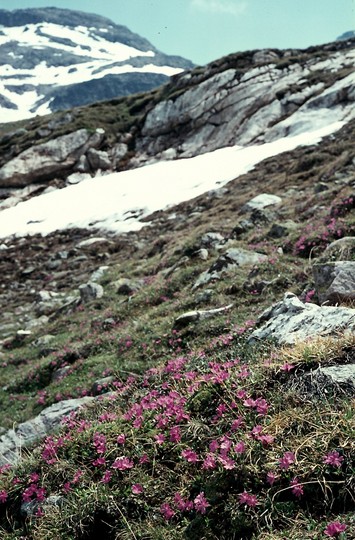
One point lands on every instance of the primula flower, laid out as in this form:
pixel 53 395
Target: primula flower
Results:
pixel 143 459
pixel 209 462
pixel 248 499
pixel 137 489
pixel 214 445
pixel 122 463
pixel 160 438
pixel 297 488
pixel 106 477
pixel 287 367
pixel 121 439
pixel 201 503
pixel 189 455
pixel 227 462
pixel 334 529
pixel 183 505
pixel 287 459
pixel 333 458
pixel 239 448
pixel 166 511
pixel 175 434
pixel 271 477
pixel 3 496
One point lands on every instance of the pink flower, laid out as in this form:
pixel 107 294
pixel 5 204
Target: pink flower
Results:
pixel 271 477
pixel 175 434
pixel 106 477
pixel 227 463
pixel 333 458
pixel 236 424
pixel 209 462
pixel 160 438
pixel 99 461
pixel 121 439
pixel 287 367
pixel 166 511
pixel 239 448
pixel 189 455
pixel 34 477
pixel 137 489
pixel 122 463
pixel 201 503
pixel 334 529
pixel 143 459
pixel 214 445
pixel 184 505
pixel 287 459
pixel 3 496
pixel 297 488
pixel 248 499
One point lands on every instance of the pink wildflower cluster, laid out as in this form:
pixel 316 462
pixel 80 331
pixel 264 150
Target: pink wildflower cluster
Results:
pixel 334 528
pixel 334 459
pixel 287 460
pixel 248 499
pixel 199 504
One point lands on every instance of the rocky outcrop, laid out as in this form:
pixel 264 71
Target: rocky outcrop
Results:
pixel 231 259
pixel 237 106
pixel 28 432
pixel 291 321
pixel 50 159
pixel 335 281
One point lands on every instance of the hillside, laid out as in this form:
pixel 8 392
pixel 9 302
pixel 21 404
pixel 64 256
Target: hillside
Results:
pixel 201 361
pixel 53 59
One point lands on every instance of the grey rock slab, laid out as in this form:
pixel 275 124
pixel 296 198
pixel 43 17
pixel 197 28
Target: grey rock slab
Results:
pixel 326 381
pixel 231 258
pixel 262 201
pixel 291 321
pixel 335 281
pixel 98 159
pixel 30 431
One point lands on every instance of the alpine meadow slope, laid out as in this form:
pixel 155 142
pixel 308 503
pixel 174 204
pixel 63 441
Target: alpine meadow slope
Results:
pixel 177 296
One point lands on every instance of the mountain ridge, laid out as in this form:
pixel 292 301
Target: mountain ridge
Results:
pixel 41 51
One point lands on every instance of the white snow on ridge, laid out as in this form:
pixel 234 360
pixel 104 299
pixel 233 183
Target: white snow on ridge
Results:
pixel 116 202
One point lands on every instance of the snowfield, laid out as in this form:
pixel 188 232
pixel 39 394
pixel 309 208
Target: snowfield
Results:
pixel 116 202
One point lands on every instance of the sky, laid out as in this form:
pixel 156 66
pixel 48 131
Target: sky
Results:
pixel 204 30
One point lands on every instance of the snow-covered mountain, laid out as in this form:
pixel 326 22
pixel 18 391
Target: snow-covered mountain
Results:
pixel 53 59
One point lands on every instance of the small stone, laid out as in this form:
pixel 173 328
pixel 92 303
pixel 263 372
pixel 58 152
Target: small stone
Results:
pixel 262 201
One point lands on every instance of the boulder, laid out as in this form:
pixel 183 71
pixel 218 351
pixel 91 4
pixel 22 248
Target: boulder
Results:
pixel 98 159
pixel 326 381
pixel 90 291
pixel 291 321
pixel 281 229
pixel 127 286
pixel 262 201
pixel 232 258
pixel 212 240
pixel 48 160
pixel 33 430
pixel 341 249
pixel 335 281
